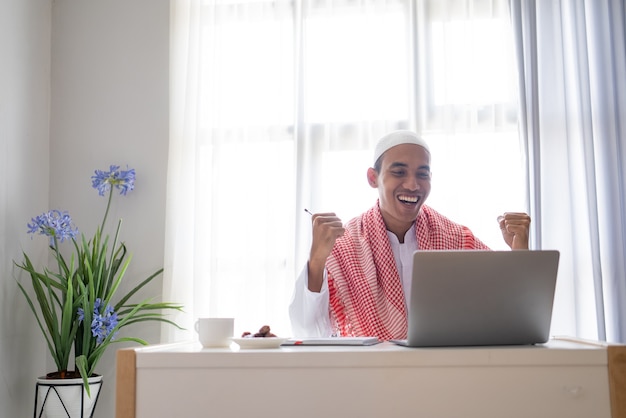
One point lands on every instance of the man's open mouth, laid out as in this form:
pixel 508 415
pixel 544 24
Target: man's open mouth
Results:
pixel 408 200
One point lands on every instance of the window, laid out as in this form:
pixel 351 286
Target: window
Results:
pixel 277 106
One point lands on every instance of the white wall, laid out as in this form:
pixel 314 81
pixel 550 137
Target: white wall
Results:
pixel 24 132
pixel 83 84
pixel 110 106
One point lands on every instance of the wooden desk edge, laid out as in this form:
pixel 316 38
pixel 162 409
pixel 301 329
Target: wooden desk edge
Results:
pixel 616 364
pixel 126 378
pixel 617 379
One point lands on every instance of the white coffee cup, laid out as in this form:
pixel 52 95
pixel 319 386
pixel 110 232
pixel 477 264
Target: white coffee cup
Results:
pixel 215 332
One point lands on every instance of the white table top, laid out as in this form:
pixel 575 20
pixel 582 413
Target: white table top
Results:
pixel 191 354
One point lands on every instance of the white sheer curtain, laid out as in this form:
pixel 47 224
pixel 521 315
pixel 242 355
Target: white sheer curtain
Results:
pixel 276 105
pixel 573 82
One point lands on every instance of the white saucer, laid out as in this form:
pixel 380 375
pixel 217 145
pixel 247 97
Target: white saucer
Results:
pixel 259 342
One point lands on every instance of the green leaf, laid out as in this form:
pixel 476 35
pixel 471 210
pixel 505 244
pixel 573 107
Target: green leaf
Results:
pixel 81 365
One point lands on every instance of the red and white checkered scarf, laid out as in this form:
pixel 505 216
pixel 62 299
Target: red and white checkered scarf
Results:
pixel 366 296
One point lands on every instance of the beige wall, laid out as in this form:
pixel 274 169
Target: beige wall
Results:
pixel 83 85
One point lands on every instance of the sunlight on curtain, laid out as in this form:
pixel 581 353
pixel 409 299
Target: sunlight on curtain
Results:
pixel 573 58
pixel 276 106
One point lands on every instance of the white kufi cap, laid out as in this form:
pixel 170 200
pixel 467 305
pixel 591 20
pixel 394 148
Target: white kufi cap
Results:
pixel 398 138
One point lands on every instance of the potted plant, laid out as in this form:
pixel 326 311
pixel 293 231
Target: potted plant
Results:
pixel 76 302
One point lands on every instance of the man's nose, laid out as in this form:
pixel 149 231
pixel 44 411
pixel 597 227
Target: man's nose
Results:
pixel 412 184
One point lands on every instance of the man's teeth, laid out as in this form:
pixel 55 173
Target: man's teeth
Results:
pixel 409 199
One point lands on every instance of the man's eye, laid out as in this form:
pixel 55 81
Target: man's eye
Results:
pixel 423 176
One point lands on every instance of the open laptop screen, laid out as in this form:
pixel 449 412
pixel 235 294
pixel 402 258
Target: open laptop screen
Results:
pixel 471 298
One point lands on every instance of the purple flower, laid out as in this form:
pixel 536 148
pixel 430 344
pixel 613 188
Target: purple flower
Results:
pixel 124 180
pixel 54 224
pixel 103 323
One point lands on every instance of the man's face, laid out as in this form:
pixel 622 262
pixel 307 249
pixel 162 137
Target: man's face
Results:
pixel 403 184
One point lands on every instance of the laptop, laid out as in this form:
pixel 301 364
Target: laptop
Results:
pixel 481 298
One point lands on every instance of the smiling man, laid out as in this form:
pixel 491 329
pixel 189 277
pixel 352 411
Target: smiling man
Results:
pixel 358 277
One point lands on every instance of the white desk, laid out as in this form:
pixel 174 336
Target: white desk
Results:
pixel 564 378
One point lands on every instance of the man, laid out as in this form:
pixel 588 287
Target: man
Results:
pixel 358 277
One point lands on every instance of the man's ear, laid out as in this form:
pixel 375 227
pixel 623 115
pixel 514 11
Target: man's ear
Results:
pixel 372 177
